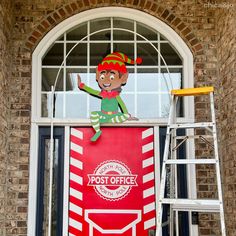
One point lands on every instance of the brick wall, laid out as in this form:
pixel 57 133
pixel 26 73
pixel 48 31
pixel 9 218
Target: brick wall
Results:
pixel 194 21
pixel 226 41
pixel 6 21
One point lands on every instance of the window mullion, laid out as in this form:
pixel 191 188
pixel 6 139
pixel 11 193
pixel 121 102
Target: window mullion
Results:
pixel 159 75
pixel 64 78
pixel 88 65
pixel 135 72
pixel 112 36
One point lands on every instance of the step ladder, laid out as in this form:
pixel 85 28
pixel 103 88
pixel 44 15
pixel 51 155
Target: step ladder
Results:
pixel 171 161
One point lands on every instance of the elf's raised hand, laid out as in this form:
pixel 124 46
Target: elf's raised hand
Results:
pixel 78 79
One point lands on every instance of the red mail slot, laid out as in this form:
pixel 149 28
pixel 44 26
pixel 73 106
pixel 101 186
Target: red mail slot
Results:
pixel 112 187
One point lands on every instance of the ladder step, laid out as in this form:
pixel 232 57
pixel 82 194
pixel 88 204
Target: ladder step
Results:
pixel 192 91
pixel 191 161
pixel 192 125
pixel 200 205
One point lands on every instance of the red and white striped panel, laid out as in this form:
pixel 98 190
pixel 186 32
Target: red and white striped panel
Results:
pixel 76 183
pixel 148 179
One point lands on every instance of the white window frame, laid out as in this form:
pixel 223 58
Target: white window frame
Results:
pixel 37 120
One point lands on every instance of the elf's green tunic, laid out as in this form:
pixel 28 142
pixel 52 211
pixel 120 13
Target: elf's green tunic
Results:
pixel 109 109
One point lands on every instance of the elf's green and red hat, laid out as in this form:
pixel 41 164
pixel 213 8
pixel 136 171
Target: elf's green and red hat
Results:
pixel 116 61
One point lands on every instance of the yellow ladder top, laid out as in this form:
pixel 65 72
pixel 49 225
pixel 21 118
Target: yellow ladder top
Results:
pixel 192 91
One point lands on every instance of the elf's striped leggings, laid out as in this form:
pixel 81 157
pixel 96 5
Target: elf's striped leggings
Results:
pixel 97 118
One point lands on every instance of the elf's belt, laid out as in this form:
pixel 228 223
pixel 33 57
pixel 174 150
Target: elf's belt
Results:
pixel 109 112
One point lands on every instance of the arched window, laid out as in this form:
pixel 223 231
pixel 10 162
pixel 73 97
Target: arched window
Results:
pixel 80 48
pixel 77 45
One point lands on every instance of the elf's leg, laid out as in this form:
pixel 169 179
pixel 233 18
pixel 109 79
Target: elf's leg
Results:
pixel 120 118
pixel 95 121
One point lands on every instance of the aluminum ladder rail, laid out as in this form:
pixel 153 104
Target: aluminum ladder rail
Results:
pixel 169 158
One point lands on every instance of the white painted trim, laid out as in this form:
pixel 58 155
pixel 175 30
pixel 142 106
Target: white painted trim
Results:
pixel 86 122
pixel 157 166
pixel 33 170
pixel 66 181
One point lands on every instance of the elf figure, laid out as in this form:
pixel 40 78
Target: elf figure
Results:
pixel 111 74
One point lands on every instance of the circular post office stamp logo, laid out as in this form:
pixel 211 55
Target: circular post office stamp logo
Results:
pixel 112 180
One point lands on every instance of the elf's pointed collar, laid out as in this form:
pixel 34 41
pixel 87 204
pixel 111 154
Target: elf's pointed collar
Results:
pixel 109 95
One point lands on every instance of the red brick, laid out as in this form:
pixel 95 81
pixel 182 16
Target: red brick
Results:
pixel 32 39
pixel 56 16
pixel 68 9
pixel 62 12
pixel 165 14
pixel 160 10
pixel 29 45
pixel 186 31
pixel 154 7
pixel 41 29
pixel 170 18
pixel 86 3
pixel 141 3
pixel 74 7
pixel 190 36
pixel 176 21
pixel 181 26
pixel 80 3
pixel 45 24
pixel 36 34
pixel 51 20
pixel 148 5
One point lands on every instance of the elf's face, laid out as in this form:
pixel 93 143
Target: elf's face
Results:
pixel 110 79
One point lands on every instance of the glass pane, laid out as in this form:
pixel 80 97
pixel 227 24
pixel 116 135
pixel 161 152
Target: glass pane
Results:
pixel 76 105
pixel 78 55
pixel 92 80
pixel 171 80
pixel 100 24
pixel 78 33
pixel 126 25
pixel 98 51
pixel 165 105
pixel 54 56
pixel 71 78
pixel 162 38
pixel 148 53
pixel 126 48
pixel 49 76
pixel 129 101
pixel 153 83
pixel 148 106
pixel 54 187
pixel 147 80
pixel 130 85
pixel 146 32
pixel 58 105
pixel 170 55
pixel 61 38
pixel 95 104
pixel 46 105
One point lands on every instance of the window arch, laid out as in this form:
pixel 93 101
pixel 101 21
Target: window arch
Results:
pixel 79 45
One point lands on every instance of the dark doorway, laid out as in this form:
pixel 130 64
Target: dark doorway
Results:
pixel 43 182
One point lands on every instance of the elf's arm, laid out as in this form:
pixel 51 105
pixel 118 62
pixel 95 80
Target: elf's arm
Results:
pixel 122 105
pixel 124 109
pixel 89 90
pixel 86 88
